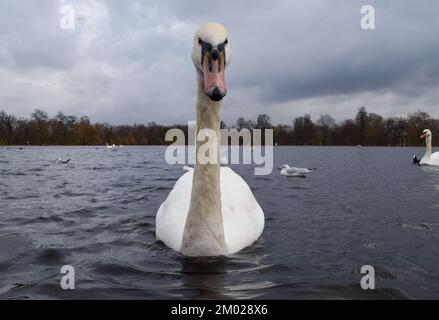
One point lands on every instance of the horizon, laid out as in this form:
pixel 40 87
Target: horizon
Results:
pixel 368 129
pixel 228 125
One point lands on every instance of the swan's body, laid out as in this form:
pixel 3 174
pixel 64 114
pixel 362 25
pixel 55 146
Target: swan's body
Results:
pixel 211 211
pixel 288 171
pixel 240 212
pixel 429 159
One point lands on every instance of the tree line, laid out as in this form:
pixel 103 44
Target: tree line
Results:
pixel 367 129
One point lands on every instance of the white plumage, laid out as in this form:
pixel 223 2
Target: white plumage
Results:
pixel 288 171
pixel 243 218
pixel 430 159
pixel 211 210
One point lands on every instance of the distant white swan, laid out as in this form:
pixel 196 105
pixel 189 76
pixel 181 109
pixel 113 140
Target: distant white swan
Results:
pixel 112 147
pixel 430 159
pixel 288 171
pixel 211 210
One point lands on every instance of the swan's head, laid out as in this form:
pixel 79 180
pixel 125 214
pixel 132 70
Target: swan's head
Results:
pixel 426 134
pixel 211 55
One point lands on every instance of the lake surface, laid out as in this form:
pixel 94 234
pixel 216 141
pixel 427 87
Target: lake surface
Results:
pixel 366 206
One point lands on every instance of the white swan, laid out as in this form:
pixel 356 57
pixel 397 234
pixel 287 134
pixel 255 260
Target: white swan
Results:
pixel 220 216
pixel 431 159
pixel 112 147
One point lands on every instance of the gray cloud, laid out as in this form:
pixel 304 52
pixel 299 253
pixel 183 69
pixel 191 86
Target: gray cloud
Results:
pixel 129 61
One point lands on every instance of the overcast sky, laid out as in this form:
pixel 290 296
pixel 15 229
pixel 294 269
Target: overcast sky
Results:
pixel 129 61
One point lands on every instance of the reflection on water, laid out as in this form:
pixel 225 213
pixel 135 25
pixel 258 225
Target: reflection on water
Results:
pixel 201 277
pixel 97 213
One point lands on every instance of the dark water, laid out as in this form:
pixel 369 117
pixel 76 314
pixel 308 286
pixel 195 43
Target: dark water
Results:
pixel 365 206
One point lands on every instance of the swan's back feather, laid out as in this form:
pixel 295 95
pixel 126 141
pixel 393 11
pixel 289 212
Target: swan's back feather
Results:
pixel 243 218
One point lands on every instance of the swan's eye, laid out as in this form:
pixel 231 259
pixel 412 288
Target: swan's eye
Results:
pixel 200 42
pixel 226 42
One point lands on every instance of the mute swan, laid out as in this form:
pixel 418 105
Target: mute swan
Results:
pixel 429 158
pixel 220 216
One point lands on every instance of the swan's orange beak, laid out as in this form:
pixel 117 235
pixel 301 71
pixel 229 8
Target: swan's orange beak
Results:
pixel 423 136
pixel 214 75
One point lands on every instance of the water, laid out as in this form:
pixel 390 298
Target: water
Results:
pixel 365 206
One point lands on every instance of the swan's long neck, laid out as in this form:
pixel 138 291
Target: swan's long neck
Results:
pixel 428 148
pixel 204 231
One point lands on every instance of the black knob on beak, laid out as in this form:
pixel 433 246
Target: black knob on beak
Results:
pixel 214 53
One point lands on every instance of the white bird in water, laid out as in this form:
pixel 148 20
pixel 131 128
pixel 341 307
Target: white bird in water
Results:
pixel 430 158
pixel 288 171
pixel 112 147
pixel 211 211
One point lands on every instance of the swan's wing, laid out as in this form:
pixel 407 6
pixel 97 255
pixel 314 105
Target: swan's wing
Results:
pixel 171 217
pixel 243 218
